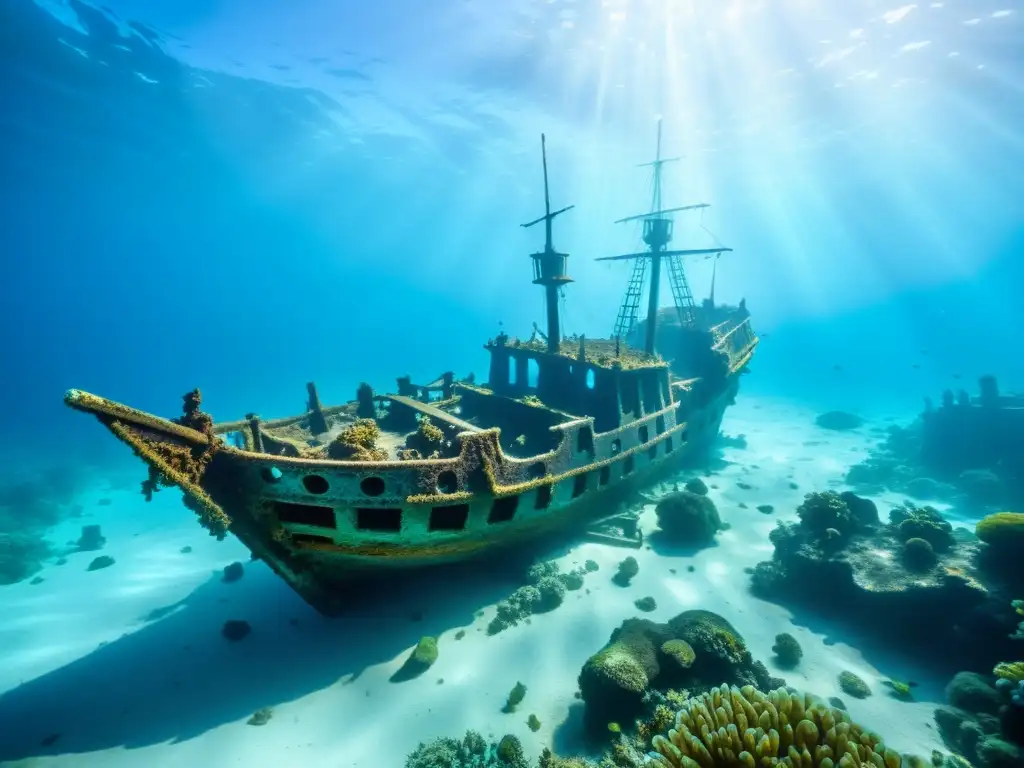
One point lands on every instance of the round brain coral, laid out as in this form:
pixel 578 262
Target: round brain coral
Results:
pixel 733 727
pixel 919 554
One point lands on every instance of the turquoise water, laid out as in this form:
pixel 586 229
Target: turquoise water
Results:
pixel 248 196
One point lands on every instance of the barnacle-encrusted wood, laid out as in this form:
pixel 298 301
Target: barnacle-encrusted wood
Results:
pixel 745 727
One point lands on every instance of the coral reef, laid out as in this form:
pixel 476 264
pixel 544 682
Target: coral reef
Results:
pixel 973 692
pixel 471 752
pixel 884 579
pixel 787 650
pixel 357 442
pixel 852 685
pixel 628 568
pixel 1003 535
pixel 420 660
pixel 515 698
pixel 552 594
pixel 1002 530
pixel 572 581
pixel 1009 670
pixel 922 523
pixel 545 592
pixel 821 512
pixel 695 650
pixel 428 441
pixel 919 554
pixel 646 604
pixel 687 518
pixel 516 607
pixel 548 760
pixel 982 722
pixel 732 727
pixel 679 651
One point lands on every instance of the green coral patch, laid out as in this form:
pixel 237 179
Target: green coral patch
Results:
pixel 1002 529
pixel 680 651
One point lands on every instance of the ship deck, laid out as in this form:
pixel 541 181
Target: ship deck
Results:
pixel 525 424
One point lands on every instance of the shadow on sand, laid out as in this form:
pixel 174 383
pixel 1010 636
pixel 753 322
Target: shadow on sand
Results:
pixel 663 545
pixel 897 663
pixel 177 677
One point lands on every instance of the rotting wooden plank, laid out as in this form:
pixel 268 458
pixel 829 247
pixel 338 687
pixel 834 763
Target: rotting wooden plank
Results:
pixel 437 413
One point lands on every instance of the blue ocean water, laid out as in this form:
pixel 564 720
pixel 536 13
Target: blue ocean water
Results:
pixel 244 197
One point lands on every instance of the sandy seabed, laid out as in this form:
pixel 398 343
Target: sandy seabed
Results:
pixel 126 666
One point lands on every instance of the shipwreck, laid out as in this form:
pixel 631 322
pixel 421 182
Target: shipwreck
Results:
pixel 561 430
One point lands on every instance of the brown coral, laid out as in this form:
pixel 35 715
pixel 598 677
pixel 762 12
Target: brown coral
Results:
pixel 427 440
pixel 548 760
pixel 192 416
pixel 744 727
pixel 178 465
pixel 660 720
pixel 357 442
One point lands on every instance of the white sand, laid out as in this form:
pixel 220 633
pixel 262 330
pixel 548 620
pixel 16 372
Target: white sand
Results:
pixel 172 692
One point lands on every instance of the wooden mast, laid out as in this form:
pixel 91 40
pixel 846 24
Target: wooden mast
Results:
pixel 549 266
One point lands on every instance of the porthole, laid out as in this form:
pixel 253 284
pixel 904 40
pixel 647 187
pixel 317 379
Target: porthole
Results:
pixel 371 486
pixel 316 484
pixel 271 474
pixel 448 482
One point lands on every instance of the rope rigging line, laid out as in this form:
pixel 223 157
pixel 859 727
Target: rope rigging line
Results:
pixel 713 235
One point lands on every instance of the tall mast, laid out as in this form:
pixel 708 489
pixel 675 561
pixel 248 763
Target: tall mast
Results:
pixel 549 265
pixel 657 234
pixel 714 270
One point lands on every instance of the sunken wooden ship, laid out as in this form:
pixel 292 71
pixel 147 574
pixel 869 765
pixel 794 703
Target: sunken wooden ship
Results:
pixel 561 432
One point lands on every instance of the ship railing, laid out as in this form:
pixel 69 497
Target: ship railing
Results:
pixel 737 341
pixel 718 332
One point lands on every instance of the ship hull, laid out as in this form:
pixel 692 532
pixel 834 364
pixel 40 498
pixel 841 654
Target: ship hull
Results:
pixel 322 525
